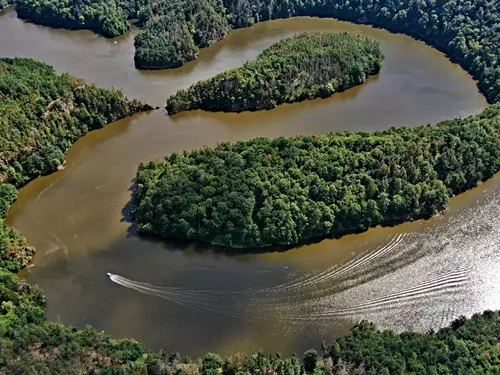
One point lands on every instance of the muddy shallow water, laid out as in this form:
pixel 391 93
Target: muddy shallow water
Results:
pixel 191 298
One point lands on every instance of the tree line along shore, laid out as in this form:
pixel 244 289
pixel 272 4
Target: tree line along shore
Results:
pixel 466 31
pixel 173 31
pixel 305 66
pixel 285 191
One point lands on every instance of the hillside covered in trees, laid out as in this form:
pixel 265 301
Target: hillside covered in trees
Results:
pixel 286 190
pixel 41 114
pixel 302 67
pixel 174 30
pixel 108 18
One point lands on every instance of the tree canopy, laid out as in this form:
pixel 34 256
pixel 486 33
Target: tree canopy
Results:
pixel 286 190
pixel 42 113
pixel 293 69
pixel 174 30
pixel 108 17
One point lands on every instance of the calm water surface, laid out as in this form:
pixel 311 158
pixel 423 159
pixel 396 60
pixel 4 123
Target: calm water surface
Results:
pixel 191 298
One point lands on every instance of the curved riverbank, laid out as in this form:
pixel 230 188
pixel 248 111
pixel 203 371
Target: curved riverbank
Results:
pixel 42 113
pixel 306 66
pixel 435 23
pixel 285 191
pixel 174 31
pixel 74 216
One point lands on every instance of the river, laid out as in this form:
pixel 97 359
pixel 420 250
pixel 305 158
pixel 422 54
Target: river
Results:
pixel 192 298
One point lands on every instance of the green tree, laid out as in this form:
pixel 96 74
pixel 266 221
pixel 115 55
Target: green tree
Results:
pixel 310 360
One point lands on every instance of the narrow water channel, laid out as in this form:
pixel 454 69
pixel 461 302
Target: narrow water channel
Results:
pixel 191 298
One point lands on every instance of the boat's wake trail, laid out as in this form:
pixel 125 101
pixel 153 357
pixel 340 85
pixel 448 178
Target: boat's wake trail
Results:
pixel 211 301
pixel 366 286
pixel 328 278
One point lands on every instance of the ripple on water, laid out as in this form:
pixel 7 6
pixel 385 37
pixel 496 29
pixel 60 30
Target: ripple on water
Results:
pixel 191 298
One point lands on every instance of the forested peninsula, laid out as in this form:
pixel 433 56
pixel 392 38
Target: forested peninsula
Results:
pixel 174 30
pixel 284 191
pixel 302 67
pixel 467 31
pixel 42 114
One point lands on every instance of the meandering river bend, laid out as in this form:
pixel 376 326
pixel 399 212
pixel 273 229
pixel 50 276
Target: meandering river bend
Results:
pixel 191 298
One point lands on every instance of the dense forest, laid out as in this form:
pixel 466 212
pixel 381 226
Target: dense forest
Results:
pixel 174 30
pixel 108 18
pixel 302 67
pixel 286 190
pixel 464 152
pixel 42 113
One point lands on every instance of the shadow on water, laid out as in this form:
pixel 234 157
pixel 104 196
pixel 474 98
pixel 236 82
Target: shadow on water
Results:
pixel 127 210
pixel 198 246
pixel 283 110
pixel 180 244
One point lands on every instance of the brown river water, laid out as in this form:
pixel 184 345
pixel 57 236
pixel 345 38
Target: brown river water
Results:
pixel 193 298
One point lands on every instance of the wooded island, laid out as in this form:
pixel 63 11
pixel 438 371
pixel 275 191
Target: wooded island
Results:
pixel 284 191
pixel 173 31
pixel 303 67
pixel 455 155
